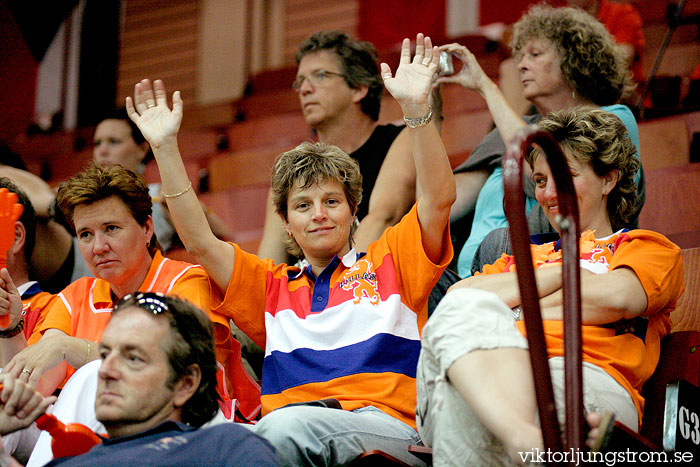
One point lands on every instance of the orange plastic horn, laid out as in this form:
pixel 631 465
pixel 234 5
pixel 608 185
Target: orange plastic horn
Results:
pixel 10 211
pixel 68 440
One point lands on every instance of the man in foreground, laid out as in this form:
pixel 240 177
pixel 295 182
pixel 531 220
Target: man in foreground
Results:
pixel 156 387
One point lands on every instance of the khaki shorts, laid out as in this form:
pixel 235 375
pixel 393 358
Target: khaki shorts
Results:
pixel 472 319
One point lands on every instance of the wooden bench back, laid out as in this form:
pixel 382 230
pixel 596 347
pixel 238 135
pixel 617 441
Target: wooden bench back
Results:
pixel 680 353
pixel 686 316
pixel 664 143
pixel 672 205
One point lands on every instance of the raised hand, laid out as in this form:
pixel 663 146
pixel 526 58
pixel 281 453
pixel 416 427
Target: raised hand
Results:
pixel 471 76
pixel 150 112
pixel 412 83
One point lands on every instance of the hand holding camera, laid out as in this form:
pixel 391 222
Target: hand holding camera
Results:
pixel 470 75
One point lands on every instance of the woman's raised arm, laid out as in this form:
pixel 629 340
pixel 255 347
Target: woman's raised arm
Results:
pixel 411 88
pixel 160 125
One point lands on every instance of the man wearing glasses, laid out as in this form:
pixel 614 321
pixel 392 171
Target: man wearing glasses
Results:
pixel 340 90
pixel 156 385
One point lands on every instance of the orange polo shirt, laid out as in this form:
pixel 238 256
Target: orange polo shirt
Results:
pixel 84 307
pixel 630 358
pixel 35 307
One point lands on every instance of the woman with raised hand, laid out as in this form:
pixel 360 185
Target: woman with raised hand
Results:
pixel 565 58
pixel 347 326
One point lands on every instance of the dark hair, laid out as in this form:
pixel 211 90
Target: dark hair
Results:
pixel 309 164
pixel 358 60
pixel 11 158
pixel 120 114
pixel 28 217
pixel 593 64
pixel 599 139
pixel 96 183
pixel 191 343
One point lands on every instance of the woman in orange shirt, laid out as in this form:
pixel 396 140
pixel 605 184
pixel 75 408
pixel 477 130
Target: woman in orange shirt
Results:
pixel 476 403
pixel 109 209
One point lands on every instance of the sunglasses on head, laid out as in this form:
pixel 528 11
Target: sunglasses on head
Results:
pixel 153 302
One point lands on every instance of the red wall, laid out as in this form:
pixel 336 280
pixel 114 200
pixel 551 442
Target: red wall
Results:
pixel 385 23
pixel 18 72
pixel 493 11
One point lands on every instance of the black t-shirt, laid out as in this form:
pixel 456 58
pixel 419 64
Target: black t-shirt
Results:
pixel 371 156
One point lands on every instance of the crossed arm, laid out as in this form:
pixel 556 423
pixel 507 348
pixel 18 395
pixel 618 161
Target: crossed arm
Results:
pixel 605 298
pixel 42 365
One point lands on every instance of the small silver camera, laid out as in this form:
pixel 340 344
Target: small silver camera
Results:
pixel 446 67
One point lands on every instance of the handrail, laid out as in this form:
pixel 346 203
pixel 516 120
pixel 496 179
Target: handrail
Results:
pixel 520 237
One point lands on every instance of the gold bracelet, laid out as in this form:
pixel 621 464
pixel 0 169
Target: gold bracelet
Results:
pixel 87 356
pixel 189 187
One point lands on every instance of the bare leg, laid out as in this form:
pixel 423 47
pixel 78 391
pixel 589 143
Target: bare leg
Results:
pixel 497 385
pixel 601 425
pixel 475 388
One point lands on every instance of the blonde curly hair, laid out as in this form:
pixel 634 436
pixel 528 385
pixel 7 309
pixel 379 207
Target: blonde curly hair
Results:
pixel 594 66
pixel 599 139
pixel 311 164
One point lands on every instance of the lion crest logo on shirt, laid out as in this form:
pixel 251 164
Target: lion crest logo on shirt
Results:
pixel 362 282
pixel 167 443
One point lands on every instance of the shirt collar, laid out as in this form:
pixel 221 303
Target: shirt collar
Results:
pixel 548 237
pixel 29 288
pixel 348 260
pixel 102 292
pixel 167 425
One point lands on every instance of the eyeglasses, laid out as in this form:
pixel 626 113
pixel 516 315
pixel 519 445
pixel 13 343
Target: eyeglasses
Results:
pixel 149 301
pixel 315 78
